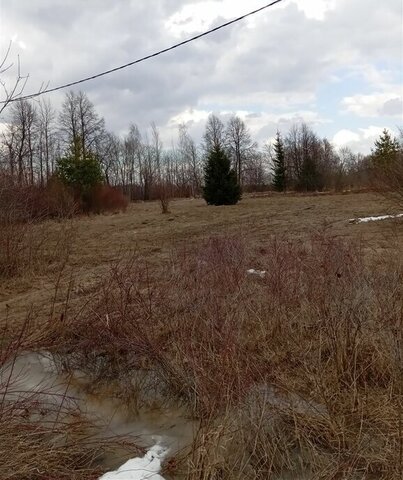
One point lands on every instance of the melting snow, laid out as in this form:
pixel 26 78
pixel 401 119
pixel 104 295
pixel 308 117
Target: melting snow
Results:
pixel 145 468
pixel 374 219
pixel 259 273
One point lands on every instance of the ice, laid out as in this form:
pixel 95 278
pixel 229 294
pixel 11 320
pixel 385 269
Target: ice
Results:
pixel 258 273
pixel 374 219
pixel 144 468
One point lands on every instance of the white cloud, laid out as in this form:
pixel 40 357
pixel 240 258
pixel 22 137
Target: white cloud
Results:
pixel 345 137
pixel 262 125
pixel 188 117
pixel 360 140
pixel 316 9
pixel 374 105
pixel 277 67
pixel 198 16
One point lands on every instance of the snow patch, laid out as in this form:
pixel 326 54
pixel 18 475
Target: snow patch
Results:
pixel 258 273
pixel 374 219
pixel 145 468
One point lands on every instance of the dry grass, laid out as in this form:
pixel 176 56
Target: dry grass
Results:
pixel 100 240
pixel 296 373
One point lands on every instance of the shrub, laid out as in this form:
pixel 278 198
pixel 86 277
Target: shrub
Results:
pixel 26 240
pixel 104 198
pixel 162 192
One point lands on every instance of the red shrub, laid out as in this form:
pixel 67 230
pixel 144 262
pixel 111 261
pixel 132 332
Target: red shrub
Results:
pixel 105 198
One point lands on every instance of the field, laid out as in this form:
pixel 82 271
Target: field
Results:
pixel 295 373
pixel 96 241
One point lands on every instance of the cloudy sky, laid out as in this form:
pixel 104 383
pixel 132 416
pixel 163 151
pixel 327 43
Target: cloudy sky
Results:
pixel 335 64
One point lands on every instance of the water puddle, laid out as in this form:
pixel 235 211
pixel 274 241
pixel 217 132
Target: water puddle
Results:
pixel 166 426
pixel 165 429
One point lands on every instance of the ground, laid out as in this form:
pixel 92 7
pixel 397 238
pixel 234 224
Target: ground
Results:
pixel 294 371
pixel 98 240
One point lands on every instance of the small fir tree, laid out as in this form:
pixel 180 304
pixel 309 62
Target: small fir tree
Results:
pixel 279 169
pixel 386 150
pixel 81 171
pixel 221 185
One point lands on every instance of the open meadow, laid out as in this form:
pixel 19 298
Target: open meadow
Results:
pixel 292 370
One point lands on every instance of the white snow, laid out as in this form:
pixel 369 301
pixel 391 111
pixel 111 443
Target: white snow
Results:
pixel 374 219
pixel 259 273
pixel 145 468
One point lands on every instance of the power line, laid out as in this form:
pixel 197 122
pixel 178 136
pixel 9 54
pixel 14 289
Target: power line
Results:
pixel 147 57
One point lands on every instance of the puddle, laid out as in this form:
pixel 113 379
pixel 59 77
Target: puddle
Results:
pixel 165 427
pixel 168 426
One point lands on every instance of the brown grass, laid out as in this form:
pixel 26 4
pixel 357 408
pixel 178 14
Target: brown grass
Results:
pixel 298 372
pixel 307 358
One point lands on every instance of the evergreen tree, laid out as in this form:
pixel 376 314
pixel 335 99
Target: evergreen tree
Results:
pixel 80 170
pixel 386 150
pixel 279 169
pixel 221 186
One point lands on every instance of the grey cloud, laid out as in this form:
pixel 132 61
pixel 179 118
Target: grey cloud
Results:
pixel 392 107
pixel 283 55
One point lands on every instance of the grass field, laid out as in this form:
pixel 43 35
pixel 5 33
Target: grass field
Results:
pixel 295 374
pixel 96 241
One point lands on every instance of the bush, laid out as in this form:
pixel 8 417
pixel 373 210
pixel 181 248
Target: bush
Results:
pixel 25 239
pixel 104 198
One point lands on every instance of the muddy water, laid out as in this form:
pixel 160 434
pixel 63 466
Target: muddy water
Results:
pixel 168 426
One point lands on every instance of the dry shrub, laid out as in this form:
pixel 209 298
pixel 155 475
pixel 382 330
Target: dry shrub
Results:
pixel 303 367
pixel 30 247
pixel 27 240
pixel 105 198
pixel 22 203
pixel 163 192
pixel 388 181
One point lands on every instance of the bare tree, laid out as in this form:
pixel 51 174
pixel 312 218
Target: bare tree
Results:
pixel 189 154
pixel 19 139
pixel 239 144
pixel 132 163
pixel 47 141
pixel 150 171
pixel 108 150
pixel 79 121
pixel 13 91
pixel 303 152
pixel 214 135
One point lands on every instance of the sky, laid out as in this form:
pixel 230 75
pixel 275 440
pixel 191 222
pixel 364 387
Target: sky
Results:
pixel 334 64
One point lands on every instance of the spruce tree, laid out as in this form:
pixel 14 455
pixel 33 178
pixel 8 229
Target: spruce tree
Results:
pixel 279 169
pixel 220 182
pixel 79 169
pixel 386 150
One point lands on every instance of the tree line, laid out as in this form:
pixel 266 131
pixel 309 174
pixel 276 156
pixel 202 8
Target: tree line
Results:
pixel 39 142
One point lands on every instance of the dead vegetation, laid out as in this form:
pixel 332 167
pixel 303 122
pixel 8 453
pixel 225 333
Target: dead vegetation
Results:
pixel 293 374
pixel 43 433
pixel 297 373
